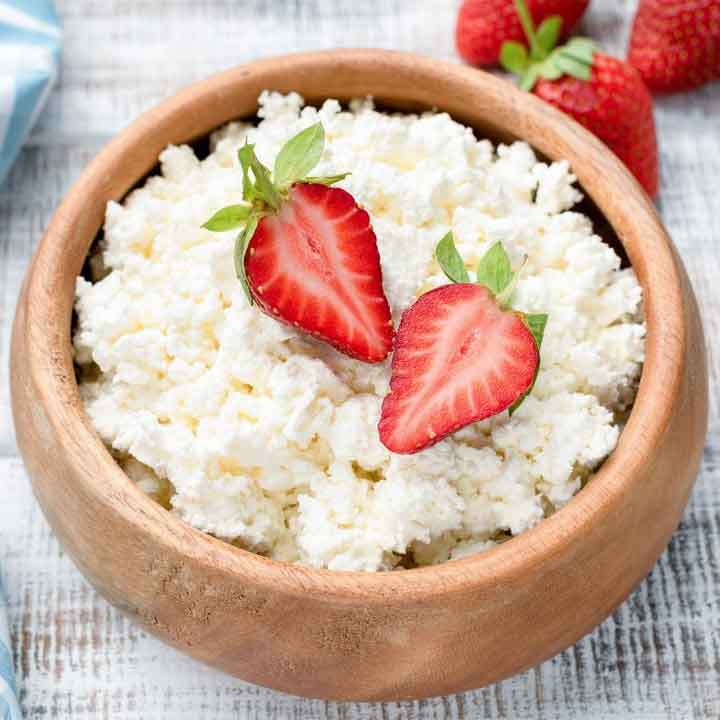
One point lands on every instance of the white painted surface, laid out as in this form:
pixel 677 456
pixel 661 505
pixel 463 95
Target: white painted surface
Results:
pixel 657 657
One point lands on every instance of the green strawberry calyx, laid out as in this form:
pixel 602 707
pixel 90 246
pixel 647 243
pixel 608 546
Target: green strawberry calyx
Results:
pixel 265 191
pixel 542 59
pixel 495 272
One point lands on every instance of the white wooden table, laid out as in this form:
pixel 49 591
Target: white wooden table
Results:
pixel 76 657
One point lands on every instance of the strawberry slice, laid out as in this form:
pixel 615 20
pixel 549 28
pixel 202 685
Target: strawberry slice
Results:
pixel 315 265
pixel 306 252
pixel 458 358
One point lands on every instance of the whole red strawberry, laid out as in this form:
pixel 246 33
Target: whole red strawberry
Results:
pixel 604 94
pixel 615 105
pixel 484 25
pixel 675 44
pixel 307 254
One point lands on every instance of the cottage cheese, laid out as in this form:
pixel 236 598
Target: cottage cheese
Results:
pixel 262 436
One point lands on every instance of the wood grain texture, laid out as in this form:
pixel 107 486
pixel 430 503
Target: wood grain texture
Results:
pixel 657 657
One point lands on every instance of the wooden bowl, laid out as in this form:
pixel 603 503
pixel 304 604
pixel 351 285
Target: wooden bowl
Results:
pixel 363 636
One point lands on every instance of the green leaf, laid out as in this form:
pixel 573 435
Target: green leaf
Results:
pixel 549 69
pixel 244 158
pixel 450 261
pixel 574 59
pixel 505 295
pixel 263 187
pixel 571 66
pixel 228 218
pixel 528 80
pixel 581 48
pixel 536 324
pixel 548 33
pixel 514 57
pixel 326 179
pixel 299 156
pixel 545 60
pixel 493 270
pixel 241 245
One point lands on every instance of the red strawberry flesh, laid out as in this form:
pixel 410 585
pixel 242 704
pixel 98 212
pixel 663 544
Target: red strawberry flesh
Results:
pixel 458 359
pixel 315 265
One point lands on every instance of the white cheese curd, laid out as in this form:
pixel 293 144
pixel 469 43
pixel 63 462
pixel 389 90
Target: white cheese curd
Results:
pixel 254 432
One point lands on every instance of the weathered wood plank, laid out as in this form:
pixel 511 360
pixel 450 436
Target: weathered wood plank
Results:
pixel 657 657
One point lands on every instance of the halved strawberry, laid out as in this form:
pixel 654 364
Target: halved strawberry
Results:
pixel 315 265
pixel 459 357
pixel 307 253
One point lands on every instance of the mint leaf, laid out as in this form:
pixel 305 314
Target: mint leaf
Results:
pixel 493 270
pixel 514 57
pixel 548 32
pixel 326 179
pixel 299 156
pixel 450 261
pixel 241 245
pixel 228 218
pixel 536 324
pixel 263 187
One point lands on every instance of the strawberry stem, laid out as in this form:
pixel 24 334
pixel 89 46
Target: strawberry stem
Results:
pixel 528 27
pixel 545 60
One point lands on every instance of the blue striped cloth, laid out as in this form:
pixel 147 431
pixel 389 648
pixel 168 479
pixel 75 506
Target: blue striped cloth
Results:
pixel 9 708
pixel 30 38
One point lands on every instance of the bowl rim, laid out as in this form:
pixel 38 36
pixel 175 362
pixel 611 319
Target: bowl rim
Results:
pixel 626 208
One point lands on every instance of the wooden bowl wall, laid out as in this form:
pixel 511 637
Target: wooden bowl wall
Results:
pixel 368 636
